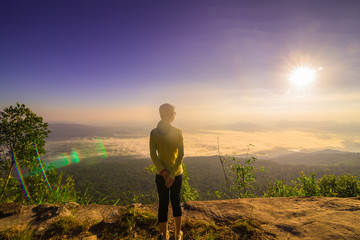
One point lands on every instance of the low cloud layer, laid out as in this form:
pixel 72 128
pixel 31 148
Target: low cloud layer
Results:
pixel 205 143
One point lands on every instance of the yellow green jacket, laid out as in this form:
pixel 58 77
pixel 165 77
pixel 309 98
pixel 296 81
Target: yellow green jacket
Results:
pixel 167 149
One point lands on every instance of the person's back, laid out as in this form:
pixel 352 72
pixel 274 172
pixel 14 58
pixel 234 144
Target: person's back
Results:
pixel 167 152
pixel 167 140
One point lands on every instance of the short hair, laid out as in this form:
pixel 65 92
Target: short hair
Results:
pixel 166 110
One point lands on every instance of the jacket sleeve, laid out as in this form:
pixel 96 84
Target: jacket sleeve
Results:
pixel 153 154
pixel 180 156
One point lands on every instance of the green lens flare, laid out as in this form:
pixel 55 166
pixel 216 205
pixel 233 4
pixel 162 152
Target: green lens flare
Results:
pixel 65 159
pixel 100 148
pixel 74 156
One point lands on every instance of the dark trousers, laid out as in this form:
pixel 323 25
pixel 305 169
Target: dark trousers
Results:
pixel 175 196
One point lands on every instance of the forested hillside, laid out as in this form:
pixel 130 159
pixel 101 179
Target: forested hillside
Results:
pixel 126 179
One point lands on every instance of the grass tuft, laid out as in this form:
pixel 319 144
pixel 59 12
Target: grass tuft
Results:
pixel 246 228
pixel 198 229
pixel 224 229
pixel 17 234
pixel 131 224
pixel 64 227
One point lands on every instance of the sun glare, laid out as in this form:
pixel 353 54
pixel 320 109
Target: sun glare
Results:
pixel 303 76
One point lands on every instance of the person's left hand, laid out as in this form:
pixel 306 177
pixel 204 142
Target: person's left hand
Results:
pixel 165 174
pixel 169 182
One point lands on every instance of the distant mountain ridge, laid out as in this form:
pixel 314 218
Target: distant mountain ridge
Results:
pixel 322 157
pixel 343 128
pixel 66 131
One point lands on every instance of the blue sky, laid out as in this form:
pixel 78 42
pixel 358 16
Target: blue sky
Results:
pixel 217 61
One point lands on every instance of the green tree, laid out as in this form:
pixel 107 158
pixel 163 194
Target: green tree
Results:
pixel 19 128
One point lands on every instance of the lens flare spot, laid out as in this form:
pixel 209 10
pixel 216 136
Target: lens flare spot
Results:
pixel 100 148
pixel 65 158
pixel 61 161
pixel 74 156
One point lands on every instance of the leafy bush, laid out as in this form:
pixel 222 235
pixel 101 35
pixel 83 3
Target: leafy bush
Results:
pixel 62 192
pixel 13 190
pixel 327 186
pixel 188 193
pixel 308 185
pixel 242 175
pixel 347 186
pixel 280 189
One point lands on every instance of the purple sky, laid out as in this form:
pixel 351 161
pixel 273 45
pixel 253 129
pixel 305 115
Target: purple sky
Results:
pixel 107 61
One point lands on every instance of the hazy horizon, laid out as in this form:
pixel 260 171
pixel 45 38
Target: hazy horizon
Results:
pixel 267 140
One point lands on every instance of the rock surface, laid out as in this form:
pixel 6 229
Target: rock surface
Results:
pixel 287 218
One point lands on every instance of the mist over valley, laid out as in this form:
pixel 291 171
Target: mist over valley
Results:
pixel 114 174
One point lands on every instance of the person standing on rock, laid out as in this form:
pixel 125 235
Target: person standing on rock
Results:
pixel 167 152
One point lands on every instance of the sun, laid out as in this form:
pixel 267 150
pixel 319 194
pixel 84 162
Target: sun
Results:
pixel 303 76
